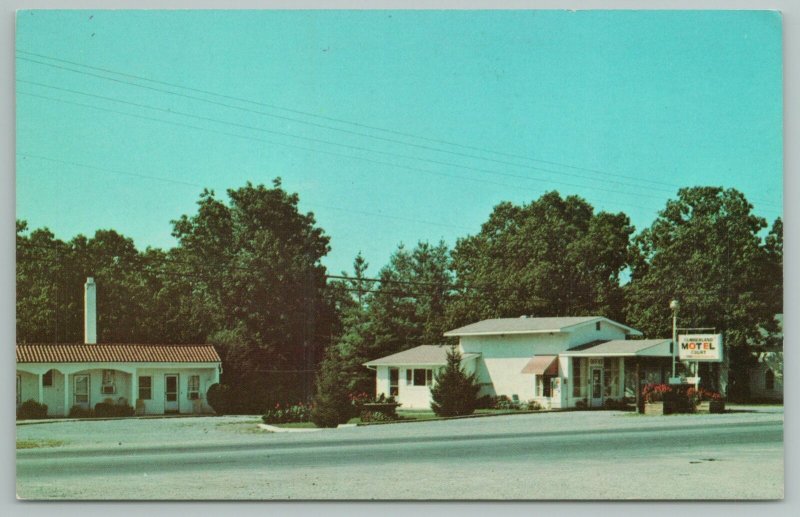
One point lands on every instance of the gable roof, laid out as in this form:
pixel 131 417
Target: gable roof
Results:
pixel 116 353
pixel 423 355
pixel 526 325
pixel 622 347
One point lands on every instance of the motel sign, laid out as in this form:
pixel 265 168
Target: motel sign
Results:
pixel 700 347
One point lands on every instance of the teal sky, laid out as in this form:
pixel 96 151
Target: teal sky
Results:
pixel 620 108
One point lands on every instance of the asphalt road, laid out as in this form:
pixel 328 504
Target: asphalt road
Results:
pixel 530 457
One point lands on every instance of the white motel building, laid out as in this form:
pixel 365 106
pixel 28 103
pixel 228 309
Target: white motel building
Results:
pixel 152 378
pixel 554 361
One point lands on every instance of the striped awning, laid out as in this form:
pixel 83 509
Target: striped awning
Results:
pixel 542 365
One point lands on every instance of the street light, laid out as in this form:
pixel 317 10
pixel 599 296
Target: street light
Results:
pixel 674 305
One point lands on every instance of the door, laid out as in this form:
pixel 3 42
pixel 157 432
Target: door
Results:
pixel 596 387
pixel 171 393
pixel 555 392
pixel 81 391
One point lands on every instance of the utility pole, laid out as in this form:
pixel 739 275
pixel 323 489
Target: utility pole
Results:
pixel 674 305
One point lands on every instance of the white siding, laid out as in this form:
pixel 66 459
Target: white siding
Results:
pixel 587 332
pixel 124 384
pixel 503 358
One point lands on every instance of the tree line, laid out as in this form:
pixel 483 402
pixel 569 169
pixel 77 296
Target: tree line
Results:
pixel 246 275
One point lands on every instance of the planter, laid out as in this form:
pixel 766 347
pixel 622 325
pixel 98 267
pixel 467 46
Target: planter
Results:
pixel 653 408
pixel 710 406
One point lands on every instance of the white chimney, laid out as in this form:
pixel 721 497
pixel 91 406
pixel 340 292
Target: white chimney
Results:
pixel 90 312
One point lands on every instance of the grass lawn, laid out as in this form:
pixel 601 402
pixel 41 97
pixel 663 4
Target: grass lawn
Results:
pixel 36 444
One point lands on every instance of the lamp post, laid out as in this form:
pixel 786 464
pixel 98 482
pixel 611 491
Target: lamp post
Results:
pixel 674 305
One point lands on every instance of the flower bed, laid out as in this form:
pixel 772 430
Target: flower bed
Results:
pixel 288 413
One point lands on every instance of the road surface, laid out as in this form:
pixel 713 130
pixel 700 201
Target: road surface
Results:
pixel 579 455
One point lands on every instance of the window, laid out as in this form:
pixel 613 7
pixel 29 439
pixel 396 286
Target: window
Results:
pixel 19 390
pixel 146 388
pixel 419 377
pixel 577 377
pixel 611 377
pixel 47 378
pixel 194 387
pixel 108 386
pixel 769 380
pixel 394 382
pixel 543 385
pixel 597 326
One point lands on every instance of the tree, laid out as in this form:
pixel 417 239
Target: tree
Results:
pixel 256 262
pixel 332 405
pixel 705 250
pixel 454 393
pixel 551 257
pixel 404 310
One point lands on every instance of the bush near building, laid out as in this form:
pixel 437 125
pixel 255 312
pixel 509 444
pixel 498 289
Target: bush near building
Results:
pixel 30 409
pixel 454 393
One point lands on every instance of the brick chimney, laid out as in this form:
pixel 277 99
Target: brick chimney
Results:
pixel 90 312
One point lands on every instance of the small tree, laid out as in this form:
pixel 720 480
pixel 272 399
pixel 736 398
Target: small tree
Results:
pixel 332 404
pixel 454 393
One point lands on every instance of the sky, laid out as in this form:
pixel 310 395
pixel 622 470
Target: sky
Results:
pixel 391 126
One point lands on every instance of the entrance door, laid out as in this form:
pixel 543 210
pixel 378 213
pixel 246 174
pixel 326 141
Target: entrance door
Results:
pixel 81 391
pixel 596 387
pixel 171 393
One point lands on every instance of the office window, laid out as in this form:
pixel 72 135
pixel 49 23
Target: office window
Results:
pixel 577 377
pixel 47 378
pixel 146 388
pixel 597 326
pixel 422 377
pixel 19 390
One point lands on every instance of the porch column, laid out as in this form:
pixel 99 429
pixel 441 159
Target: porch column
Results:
pixel 134 388
pixel 40 398
pixel 66 394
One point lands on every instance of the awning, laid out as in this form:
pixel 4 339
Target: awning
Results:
pixel 542 365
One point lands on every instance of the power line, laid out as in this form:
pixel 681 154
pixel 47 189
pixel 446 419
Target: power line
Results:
pixel 313 150
pixel 348 122
pixel 353 147
pixel 357 124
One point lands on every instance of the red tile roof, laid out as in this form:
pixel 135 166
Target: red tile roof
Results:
pixel 116 353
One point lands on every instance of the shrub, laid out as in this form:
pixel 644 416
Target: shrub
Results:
pixel 503 402
pixel 80 412
pixel 454 393
pixel 533 405
pixel 655 392
pixel 218 396
pixel 288 413
pixel 332 404
pixel 581 404
pixel 109 408
pixel 484 402
pixel 30 409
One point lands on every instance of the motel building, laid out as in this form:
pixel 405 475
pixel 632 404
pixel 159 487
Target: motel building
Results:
pixel 154 379
pixel 559 362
